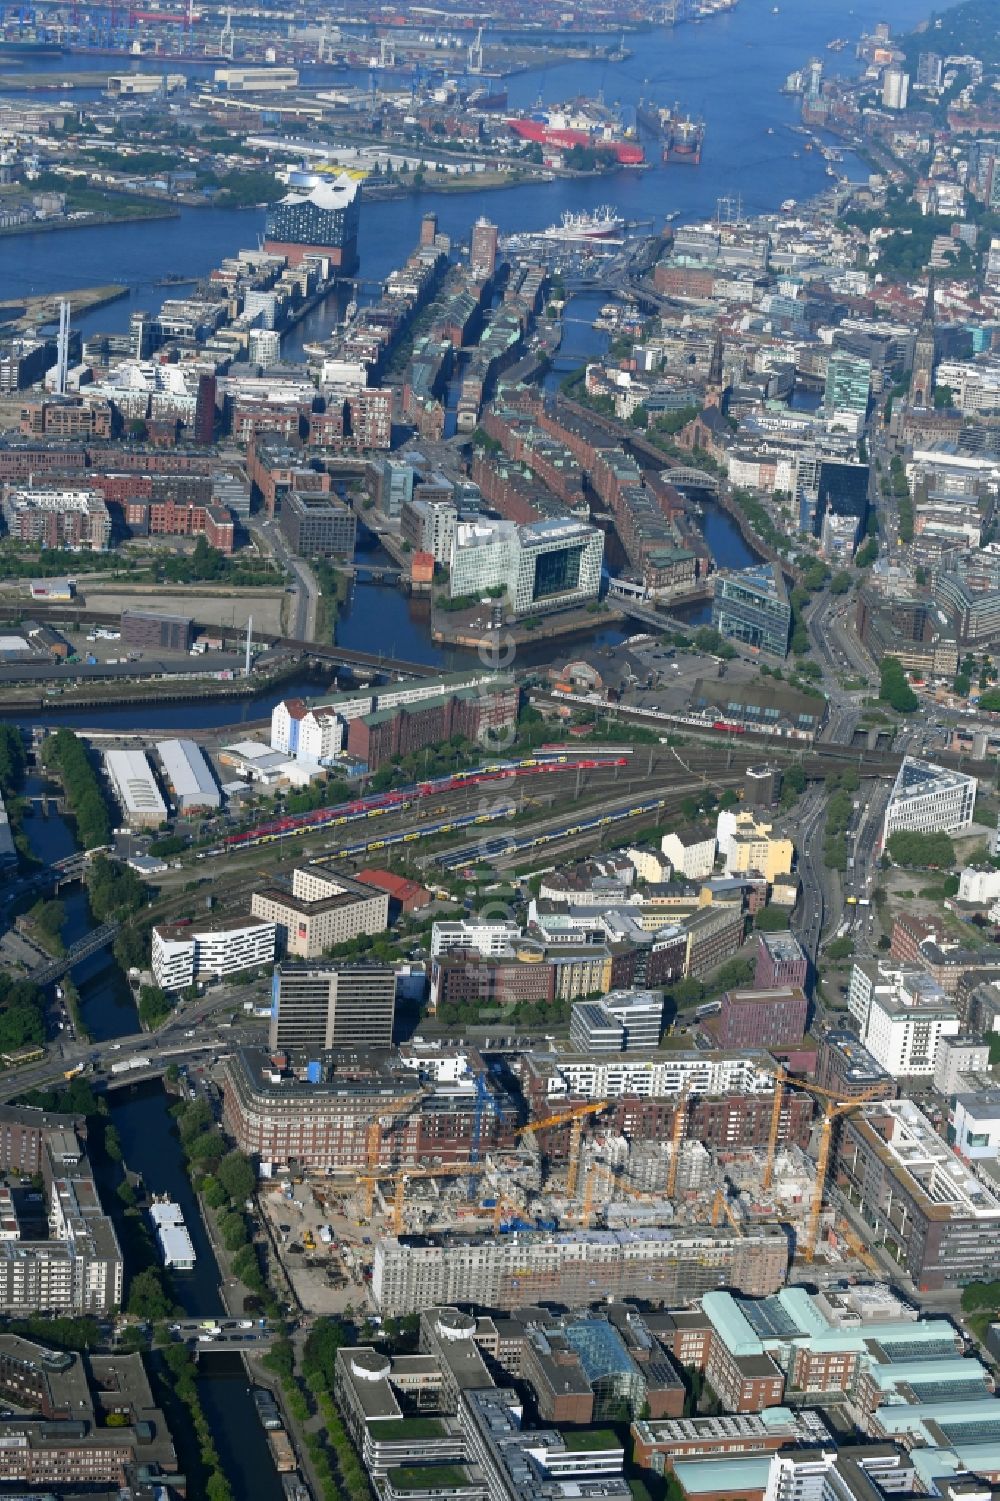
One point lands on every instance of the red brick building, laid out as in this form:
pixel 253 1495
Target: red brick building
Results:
pixel 763 1018
pixel 378 738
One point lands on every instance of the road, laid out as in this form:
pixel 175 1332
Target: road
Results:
pixel 805 828
pixel 305 589
pixel 169 1044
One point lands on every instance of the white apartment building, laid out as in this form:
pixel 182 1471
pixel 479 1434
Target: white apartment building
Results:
pixel 489 939
pixel 929 799
pixel 690 852
pixel 609 1076
pixel 905 1027
pixel 545 565
pixel 208 951
pixel 956 1057
pixel 975 1118
pixel 978 887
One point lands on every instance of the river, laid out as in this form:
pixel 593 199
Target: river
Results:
pixel 742 56
pixel 707 67
pixel 105 1000
pixel 141 1115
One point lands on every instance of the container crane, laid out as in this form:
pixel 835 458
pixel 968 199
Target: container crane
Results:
pixel 574 1118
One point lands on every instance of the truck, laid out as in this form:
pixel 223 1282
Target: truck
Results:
pixel 71 1073
pixel 125 1065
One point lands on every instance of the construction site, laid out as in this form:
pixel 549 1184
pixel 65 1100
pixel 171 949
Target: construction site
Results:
pixel 567 1171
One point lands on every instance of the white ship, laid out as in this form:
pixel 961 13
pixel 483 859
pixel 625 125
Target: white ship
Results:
pixel 603 224
pixel 176 1248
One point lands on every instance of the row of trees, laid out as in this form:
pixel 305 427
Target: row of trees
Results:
pixel 64 753
pixel 921 851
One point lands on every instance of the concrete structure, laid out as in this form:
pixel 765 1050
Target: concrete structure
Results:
pixel 848 1069
pixel 957 1056
pixel 134 786
pixel 77 518
pixel 928 799
pixel 747 843
pixel 774 1018
pixel 661 1266
pixel 781 960
pixel 623 1021
pixel 333 1006
pixel 975 1121
pixel 320 911
pixel 488 939
pixel 188 775
pixel 658 1443
pixel 318 526
pixel 322 222
pixel 183 955
pixel 76 1267
pixel 979 886
pixel 483 248
pixel 315 731
pixel 940 1219
pixel 906 1024
pixel 154 631
pixel 80 1423
pixel 895 88
pixel 476 714
pixel 275 1111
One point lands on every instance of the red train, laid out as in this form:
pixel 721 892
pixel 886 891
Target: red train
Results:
pixel 404 797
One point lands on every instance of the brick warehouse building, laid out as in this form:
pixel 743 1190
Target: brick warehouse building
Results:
pixel 281 1116
pixel 471 712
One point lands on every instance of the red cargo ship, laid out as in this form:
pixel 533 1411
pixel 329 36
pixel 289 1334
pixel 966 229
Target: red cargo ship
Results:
pixel 565 137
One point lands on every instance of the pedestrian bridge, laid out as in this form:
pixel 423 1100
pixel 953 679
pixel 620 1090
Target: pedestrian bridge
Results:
pixel 686 477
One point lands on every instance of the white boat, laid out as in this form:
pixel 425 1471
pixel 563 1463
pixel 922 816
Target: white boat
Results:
pixel 176 1248
pixel 602 224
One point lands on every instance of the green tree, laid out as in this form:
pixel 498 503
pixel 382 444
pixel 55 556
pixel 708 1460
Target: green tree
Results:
pixel 146 1298
pixel 237 1176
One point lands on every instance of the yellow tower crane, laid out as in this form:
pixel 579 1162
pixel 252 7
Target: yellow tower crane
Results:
pixel 574 1117
pixel 834 1108
pixel 402 1176
pixel 677 1139
pixel 373 1136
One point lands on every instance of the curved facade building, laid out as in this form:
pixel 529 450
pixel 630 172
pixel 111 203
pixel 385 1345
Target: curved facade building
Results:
pixel 320 221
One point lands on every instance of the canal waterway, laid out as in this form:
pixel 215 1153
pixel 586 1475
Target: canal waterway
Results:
pixel 105 1000
pixel 150 1146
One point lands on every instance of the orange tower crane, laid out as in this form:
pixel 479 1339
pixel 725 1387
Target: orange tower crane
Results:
pixel 574 1118
pixel 677 1139
pixel 834 1108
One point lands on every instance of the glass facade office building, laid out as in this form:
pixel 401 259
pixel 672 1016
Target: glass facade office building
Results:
pixel 752 607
